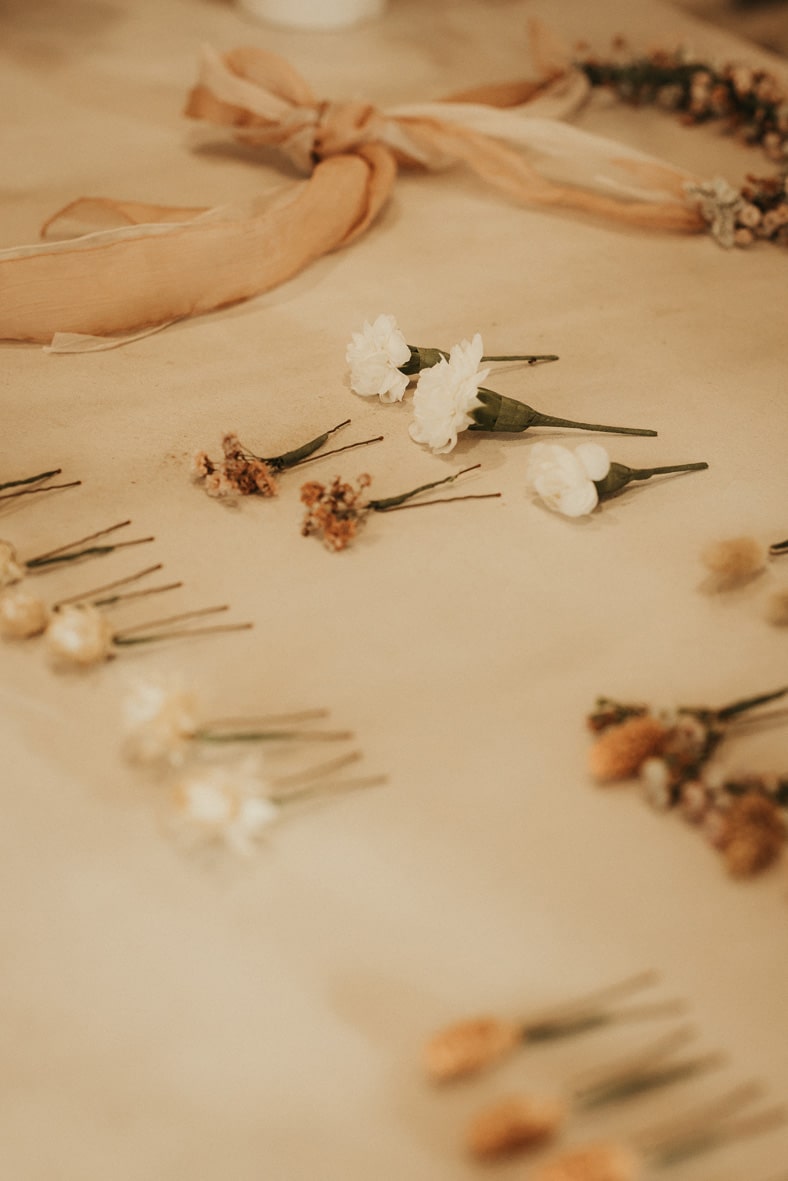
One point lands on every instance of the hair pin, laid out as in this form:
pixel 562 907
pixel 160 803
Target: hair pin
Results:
pixel 382 362
pixel 472 1045
pixel 522 1122
pixel 161 724
pixel 21 490
pixel 79 635
pixel 24 614
pixel 574 482
pixel 242 473
pixel 336 512
pixel 236 806
pixel 12 570
pixel 672 754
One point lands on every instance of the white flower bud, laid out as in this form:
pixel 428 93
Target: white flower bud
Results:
pixel 22 614
pixel 80 635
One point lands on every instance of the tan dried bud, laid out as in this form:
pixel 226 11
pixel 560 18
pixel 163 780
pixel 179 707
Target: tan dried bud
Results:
pixel 520 1121
pixel 735 561
pixel 620 750
pixel 753 834
pixel 469 1046
pixel 604 1161
pixel 751 852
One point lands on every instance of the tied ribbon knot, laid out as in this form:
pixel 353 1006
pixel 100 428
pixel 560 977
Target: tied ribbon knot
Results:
pixel 122 268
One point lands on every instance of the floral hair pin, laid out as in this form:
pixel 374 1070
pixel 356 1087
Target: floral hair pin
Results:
pixel 12 570
pixel 522 1122
pixel 242 473
pixel 161 724
pixel 474 1044
pixel 450 397
pixel 78 635
pixel 24 614
pixel 336 512
pixel 573 482
pixel 382 363
pixel 24 487
pixel 672 755
pixel 236 806
pixel 710 1127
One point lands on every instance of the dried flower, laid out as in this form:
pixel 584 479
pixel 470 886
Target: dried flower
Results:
pixel 735 561
pixel 242 473
pixel 604 1161
pixel 11 570
pixel 335 513
pixel 225 805
pixel 619 751
pixel 159 719
pixel 79 635
pixel 520 1121
pixel 450 398
pixel 752 835
pixel 382 363
pixel 469 1046
pixel 564 479
pixel 656 783
pixel 22 614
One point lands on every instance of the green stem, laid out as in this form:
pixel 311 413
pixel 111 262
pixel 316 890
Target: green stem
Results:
pixel 34 491
pixel 205 734
pixel 739 707
pixel 124 641
pixel 531 358
pixel 645 473
pixel 31 479
pixel 497 412
pixel 337 450
pixel 93 550
pixel 620 475
pixel 299 454
pixel 551 420
pixel 80 541
pixel 444 500
pixel 390 502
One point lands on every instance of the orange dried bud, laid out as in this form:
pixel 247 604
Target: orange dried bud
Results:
pixel 734 561
pixel 753 834
pixel 469 1046
pixel 619 750
pixel 595 1162
pixel 517 1122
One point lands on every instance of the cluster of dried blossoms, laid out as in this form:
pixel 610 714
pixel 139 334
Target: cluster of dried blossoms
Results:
pixel 736 561
pixel 741 816
pixel 240 473
pixel 334 512
pixel 749 103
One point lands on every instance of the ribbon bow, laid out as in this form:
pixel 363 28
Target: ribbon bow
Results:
pixel 125 267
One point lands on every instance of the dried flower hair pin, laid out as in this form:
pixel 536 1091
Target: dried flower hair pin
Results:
pixel 24 614
pixel 737 561
pixel 25 487
pixel 474 1044
pixel 336 512
pixel 574 482
pixel 236 805
pixel 161 725
pixel 671 753
pixel 522 1122
pixel 382 363
pixel 709 1127
pixel 450 397
pixel 242 473
pixel 13 570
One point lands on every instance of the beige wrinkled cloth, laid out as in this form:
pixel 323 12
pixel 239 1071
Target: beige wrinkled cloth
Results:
pixel 132 265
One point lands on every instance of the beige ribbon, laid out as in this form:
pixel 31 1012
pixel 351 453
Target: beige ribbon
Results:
pixel 122 268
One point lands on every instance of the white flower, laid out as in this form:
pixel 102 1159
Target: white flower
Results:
pixel 158 719
pixel 225 804
pixel 22 614
pixel 79 635
pixel 374 356
pixel 564 479
pixel 10 569
pixel 445 396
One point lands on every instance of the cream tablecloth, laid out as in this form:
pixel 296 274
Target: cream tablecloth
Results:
pixel 168 1017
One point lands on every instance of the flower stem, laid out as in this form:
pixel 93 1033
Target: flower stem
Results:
pixel 497 412
pixel 205 734
pixel 585 1012
pixel 80 541
pixel 140 594
pixel 779 547
pixel 124 641
pixel 299 454
pixel 444 500
pixel 33 491
pixel 738 707
pixel 550 420
pixel 645 473
pixel 31 479
pixel 336 450
pixel 127 631
pixel 98 590
pixel 336 787
pixel 531 358
pixel 91 551
pixel 390 502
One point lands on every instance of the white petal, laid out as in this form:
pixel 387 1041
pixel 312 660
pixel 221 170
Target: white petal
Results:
pixel 595 460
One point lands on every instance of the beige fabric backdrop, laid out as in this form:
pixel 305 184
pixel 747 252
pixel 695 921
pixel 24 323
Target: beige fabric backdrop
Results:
pixel 168 1017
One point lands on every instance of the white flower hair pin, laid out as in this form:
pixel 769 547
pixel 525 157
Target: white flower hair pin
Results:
pixel 674 755
pixel 24 614
pixel 451 397
pixel 382 363
pixel 161 725
pixel 242 473
pixel 237 805
pixel 25 487
pixel 705 1128
pixel 474 1044
pixel 13 570
pixel 573 482
pixel 336 512
pixel 522 1122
